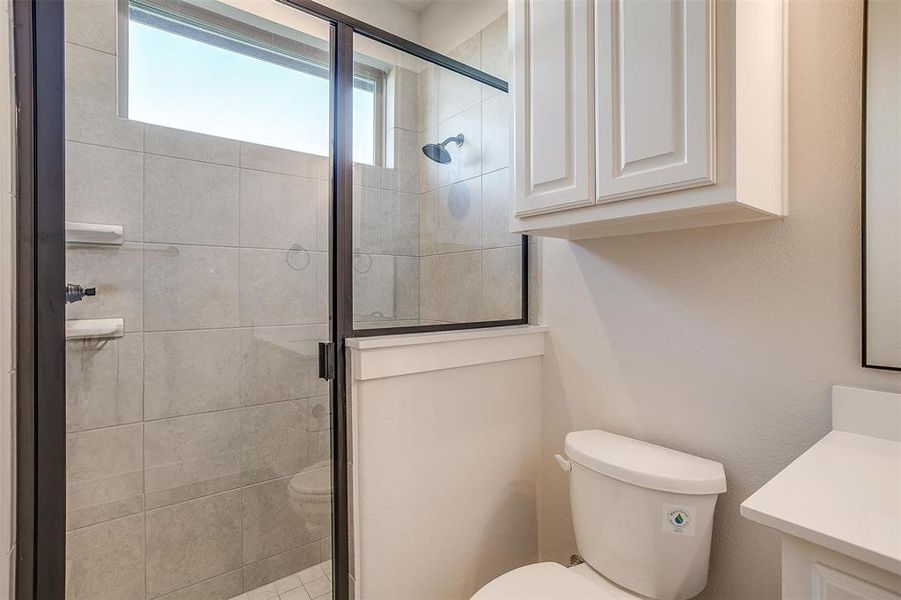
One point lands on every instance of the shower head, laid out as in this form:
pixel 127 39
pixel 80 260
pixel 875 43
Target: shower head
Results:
pixel 438 152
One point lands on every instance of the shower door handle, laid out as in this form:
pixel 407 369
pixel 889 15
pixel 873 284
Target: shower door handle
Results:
pixel 326 363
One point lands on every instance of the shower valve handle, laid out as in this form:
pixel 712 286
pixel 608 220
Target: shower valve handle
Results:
pixel 77 293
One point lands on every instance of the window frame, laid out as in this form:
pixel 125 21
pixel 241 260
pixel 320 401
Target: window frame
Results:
pixel 209 27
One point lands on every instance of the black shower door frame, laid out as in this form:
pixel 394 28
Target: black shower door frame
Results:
pixel 342 161
pixel 341 254
pixel 39 45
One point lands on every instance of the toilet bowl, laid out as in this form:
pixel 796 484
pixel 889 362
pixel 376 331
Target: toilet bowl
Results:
pixel 553 581
pixel 643 519
pixel 310 493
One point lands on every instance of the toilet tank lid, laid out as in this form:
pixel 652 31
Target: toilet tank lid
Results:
pixel 643 464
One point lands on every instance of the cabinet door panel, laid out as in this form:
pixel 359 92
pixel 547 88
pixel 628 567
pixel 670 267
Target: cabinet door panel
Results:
pixel 553 112
pixel 655 96
pixel 830 584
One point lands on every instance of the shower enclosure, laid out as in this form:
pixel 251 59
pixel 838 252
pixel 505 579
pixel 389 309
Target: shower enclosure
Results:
pixel 244 189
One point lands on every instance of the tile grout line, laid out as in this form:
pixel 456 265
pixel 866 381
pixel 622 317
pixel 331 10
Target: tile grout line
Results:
pixel 240 312
pixel 114 53
pixel 194 414
pixel 181 589
pixel 143 356
pixel 238 165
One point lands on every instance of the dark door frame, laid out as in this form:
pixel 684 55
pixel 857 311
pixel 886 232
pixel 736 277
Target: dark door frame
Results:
pixel 342 154
pixel 341 249
pixel 40 308
pixel 340 294
pixel 39 42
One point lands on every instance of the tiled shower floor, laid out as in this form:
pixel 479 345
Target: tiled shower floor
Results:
pixel 314 583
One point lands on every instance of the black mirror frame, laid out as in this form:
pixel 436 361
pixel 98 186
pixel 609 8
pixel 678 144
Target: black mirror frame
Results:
pixel 863 202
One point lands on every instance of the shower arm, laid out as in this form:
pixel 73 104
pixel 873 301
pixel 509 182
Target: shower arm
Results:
pixel 458 139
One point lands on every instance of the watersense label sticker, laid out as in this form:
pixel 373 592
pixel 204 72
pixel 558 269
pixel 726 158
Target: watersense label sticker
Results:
pixel 678 519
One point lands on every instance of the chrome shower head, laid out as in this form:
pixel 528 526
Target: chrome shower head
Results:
pixel 438 152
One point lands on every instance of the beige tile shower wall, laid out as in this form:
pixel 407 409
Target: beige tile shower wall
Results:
pixel 184 434
pixel 470 264
pixel 386 216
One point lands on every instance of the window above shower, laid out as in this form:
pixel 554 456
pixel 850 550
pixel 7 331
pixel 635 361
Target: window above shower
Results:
pixel 430 244
pixel 189 68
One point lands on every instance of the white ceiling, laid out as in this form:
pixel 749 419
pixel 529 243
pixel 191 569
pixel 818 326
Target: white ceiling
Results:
pixel 416 6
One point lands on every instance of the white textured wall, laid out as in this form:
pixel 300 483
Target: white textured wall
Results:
pixel 385 14
pixel 445 24
pixel 446 474
pixel 723 341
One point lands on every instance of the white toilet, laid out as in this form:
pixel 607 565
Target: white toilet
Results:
pixel 643 516
pixel 310 494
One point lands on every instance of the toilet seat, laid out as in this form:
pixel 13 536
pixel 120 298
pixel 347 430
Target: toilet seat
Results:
pixel 552 581
pixel 313 485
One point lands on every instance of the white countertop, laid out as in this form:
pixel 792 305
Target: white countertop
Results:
pixel 844 494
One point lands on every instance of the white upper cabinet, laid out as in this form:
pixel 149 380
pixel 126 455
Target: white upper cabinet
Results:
pixel 654 88
pixel 554 113
pixel 644 115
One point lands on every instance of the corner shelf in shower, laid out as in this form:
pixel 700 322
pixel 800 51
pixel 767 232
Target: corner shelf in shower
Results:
pixel 94 233
pixel 94 329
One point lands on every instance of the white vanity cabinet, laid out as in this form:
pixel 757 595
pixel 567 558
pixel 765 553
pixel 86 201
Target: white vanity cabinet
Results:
pixel 812 572
pixel 837 507
pixel 646 115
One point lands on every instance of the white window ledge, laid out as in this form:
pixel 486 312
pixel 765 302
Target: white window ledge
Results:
pixel 393 355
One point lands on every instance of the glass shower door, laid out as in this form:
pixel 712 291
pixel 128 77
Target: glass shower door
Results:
pixel 197 207
pixel 431 242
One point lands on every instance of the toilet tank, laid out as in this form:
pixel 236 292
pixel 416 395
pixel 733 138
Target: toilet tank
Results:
pixel 643 514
